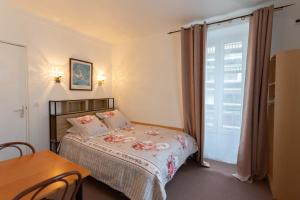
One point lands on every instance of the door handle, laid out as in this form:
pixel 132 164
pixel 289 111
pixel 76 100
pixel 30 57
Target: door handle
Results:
pixel 21 111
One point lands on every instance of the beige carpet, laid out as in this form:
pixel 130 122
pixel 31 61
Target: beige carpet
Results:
pixel 193 183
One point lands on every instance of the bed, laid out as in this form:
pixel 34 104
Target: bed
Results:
pixel 137 161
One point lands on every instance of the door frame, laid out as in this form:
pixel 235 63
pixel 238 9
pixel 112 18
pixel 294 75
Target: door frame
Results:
pixel 28 136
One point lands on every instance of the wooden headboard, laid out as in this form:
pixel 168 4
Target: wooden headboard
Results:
pixel 60 111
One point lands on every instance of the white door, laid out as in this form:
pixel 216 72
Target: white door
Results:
pixel 224 89
pixel 13 96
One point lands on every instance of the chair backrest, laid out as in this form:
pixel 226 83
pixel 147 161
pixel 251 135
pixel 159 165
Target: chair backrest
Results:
pixel 16 145
pixel 35 190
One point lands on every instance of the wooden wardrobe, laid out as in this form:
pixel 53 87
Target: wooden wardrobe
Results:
pixel 284 125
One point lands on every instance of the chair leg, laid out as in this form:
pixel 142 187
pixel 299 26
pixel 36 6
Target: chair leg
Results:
pixel 79 195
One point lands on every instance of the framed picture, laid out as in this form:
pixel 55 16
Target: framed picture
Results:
pixel 81 75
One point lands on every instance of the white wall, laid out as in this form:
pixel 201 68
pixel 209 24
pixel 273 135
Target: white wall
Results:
pixel 147 76
pixel 147 79
pixel 286 33
pixel 51 45
pixel 146 71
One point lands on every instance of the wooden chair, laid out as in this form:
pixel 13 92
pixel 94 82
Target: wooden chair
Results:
pixel 35 190
pixel 16 145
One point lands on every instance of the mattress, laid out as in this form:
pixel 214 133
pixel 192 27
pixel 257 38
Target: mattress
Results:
pixel 136 161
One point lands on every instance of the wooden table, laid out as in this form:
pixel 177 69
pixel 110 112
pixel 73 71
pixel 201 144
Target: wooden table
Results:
pixel 20 173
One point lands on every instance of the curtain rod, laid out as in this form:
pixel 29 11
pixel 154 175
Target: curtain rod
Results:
pixel 239 17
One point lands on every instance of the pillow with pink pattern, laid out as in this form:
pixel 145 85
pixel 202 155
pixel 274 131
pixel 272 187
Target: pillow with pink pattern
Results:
pixel 88 125
pixel 114 119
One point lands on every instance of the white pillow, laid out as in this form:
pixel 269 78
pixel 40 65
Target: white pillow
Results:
pixel 114 119
pixel 73 130
pixel 88 126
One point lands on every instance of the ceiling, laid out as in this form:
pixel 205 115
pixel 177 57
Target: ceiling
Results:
pixel 114 21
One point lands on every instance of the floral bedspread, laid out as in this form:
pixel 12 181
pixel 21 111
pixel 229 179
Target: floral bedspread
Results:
pixel 137 161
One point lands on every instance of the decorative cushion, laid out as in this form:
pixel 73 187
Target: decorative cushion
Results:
pixel 88 126
pixel 114 119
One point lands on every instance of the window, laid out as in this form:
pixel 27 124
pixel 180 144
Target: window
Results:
pixel 224 89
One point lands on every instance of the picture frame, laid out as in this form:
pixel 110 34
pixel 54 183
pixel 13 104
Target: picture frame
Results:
pixel 81 75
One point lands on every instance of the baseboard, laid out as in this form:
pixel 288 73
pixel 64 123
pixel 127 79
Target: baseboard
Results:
pixel 158 125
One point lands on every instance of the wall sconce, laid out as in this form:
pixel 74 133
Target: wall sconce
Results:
pixel 101 78
pixel 57 74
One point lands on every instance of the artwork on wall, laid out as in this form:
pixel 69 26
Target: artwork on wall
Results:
pixel 81 75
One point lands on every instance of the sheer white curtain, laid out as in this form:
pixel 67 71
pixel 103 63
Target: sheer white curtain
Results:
pixel 224 89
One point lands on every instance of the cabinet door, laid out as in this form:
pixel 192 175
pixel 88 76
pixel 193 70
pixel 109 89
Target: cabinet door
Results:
pixel 287 131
